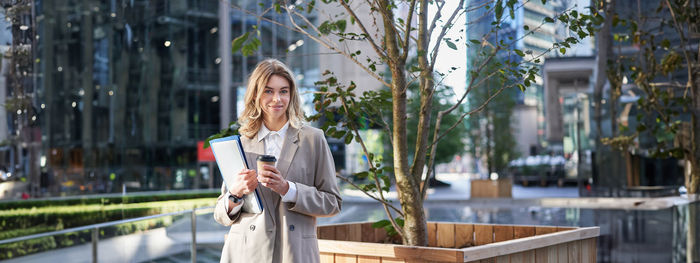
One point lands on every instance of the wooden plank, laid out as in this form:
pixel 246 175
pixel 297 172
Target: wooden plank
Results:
pixel 502 233
pixel 488 260
pixel 368 233
pixel 594 249
pixel 326 232
pixel 523 257
pixel 585 251
pixel 503 259
pixel 417 254
pixel 355 232
pixel 432 234
pixel 552 254
pixel 327 257
pixel 529 257
pixel 523 231
pixel 588 250
pixel 392 260
pixel 464 235
pixel 565 228
pixel 341 232
pixel 516 258
pixel 483 234
pixel 379 235
pixel 541 255
pixel 563 253
pixel 368 259
pixel 344 258
pixel 541 230
pixel 391 251
pixel 528 243
pixel 445 235
pixel 574 251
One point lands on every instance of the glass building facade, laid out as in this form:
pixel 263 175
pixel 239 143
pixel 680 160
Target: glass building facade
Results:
pixel 126 89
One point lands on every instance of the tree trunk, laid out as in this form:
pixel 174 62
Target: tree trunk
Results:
pixel 604 46
pixel 426 95
pixel 415 229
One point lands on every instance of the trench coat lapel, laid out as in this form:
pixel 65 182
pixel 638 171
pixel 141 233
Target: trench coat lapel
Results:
pixel 289 148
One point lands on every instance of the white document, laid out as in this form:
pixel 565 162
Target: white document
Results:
pixel 231 160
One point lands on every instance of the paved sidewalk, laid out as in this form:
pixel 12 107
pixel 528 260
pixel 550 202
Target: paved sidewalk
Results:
pixel 162 243
pixel 459 190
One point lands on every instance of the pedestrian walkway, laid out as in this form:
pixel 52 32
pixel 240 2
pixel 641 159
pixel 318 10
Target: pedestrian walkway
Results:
pixel 169 244
pixel 460 190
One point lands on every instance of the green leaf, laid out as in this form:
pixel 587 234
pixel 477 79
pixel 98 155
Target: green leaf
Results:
pixel 348 138
pixel 548 20
pixel 340 25
pixel 278 8
pixel 666 43
pixel 562 50
pixel 499 10
pixel 361 175
pixel 519 52
pixel 450 44
pixel 310 6
pixel 237 43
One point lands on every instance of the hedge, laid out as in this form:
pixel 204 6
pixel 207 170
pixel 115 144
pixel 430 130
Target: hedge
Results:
pixel 106 199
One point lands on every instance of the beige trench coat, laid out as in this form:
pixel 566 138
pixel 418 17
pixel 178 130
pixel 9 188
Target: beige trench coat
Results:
pixel 285 232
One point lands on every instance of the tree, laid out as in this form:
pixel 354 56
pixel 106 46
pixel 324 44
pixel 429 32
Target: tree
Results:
pixel 398 39
pixel 449 146
pixel 491 135
pixel 665 72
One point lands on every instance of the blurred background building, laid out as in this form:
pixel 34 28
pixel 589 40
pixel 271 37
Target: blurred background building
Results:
pixel 123 92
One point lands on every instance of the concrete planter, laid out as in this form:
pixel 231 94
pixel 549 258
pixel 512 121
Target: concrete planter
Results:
pixel 491 188
pixel 457 242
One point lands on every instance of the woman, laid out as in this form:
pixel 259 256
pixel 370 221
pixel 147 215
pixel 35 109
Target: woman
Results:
pixel 298 189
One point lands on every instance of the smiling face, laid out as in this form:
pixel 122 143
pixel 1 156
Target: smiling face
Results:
pixel 274 101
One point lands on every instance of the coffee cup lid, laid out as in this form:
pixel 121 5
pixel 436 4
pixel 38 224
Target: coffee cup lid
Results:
pixel 267 158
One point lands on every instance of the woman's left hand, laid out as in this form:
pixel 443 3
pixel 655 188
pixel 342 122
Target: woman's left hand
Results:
pixel 271 178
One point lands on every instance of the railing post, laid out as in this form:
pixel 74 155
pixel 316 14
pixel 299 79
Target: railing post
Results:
pixel 95 237
pixel 193 248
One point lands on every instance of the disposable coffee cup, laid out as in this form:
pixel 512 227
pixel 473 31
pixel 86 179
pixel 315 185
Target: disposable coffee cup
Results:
pixel 266 159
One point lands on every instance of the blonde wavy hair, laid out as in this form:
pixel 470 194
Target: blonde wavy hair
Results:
pixel 251 118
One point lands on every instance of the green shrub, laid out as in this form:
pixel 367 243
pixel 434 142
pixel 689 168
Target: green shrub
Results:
pixel 60 217
pixel 104 200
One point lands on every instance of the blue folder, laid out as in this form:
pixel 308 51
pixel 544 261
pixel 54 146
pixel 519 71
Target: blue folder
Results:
pixel 230 158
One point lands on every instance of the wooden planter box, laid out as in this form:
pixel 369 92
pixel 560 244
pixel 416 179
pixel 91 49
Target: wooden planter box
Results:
pixel 457 242
pixel 492 188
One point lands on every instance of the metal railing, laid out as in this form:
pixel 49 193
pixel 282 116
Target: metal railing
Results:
pixel 96 230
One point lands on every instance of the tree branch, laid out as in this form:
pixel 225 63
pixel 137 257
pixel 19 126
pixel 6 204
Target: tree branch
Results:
pixel 384 202
pixel 407 31
pixel 382 54
pixel 684 46
pixel 371 165
pixel 437 16
pixel 447 26
pixel 327 45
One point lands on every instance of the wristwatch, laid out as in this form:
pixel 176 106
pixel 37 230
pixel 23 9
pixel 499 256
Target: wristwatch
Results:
pixel 235 199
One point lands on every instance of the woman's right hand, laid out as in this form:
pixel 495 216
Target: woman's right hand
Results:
pixel 244 183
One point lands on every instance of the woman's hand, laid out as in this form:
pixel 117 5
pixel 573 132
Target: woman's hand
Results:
pixel 271 178
pixel 244 183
